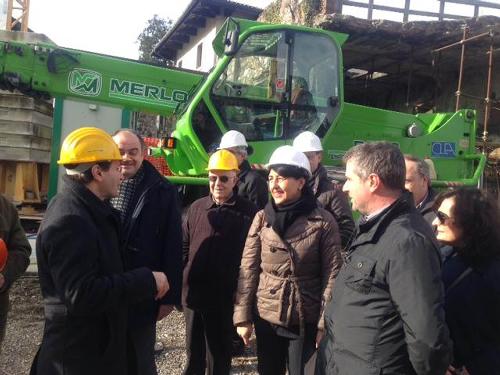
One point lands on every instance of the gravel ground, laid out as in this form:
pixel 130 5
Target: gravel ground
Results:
pixel 25 327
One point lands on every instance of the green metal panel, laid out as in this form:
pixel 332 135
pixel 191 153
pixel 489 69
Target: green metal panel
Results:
pixel 125 118
pixel 178 180
pixel 56 143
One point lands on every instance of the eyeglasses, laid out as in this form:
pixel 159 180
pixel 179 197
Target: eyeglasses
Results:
pixel 223 179
pixel 277 180
pixel 442 217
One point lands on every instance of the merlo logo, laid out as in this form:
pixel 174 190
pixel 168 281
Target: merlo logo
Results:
pixel 85 82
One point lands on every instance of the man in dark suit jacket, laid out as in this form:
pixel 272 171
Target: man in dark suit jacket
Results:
pixel 86 292
pixel 418 181
pixel 151 218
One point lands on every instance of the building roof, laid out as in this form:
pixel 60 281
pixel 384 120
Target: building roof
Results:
pixel 381 44
pixel 395 50
pixel 195 17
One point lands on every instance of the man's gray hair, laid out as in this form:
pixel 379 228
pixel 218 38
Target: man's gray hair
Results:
pixel 133 132
pixel 381 158
pixel 422 167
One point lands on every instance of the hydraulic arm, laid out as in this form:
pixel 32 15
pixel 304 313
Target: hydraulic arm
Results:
pixel 35 66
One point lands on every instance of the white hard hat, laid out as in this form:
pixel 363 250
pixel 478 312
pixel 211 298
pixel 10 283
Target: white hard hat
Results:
pixel 232 138
pixel 289 155
pixel 307 141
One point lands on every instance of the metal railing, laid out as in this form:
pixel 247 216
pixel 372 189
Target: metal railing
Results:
pixel 407 10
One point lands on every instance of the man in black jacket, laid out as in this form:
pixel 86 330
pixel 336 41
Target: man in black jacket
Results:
pixel 18 250
pixel 150 213
pixel 418 182
pixel 386 315
pixel 251 185
pixel 214 234
pixel 86 291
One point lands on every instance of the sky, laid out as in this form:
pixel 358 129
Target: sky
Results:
pixel 112 26
pixel 103 26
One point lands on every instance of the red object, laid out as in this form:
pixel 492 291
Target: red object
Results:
pixel 3 254
pixel 159 163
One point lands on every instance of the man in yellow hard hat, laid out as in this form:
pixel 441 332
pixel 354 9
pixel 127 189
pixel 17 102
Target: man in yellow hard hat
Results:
pixel 214 234
pixel 85 290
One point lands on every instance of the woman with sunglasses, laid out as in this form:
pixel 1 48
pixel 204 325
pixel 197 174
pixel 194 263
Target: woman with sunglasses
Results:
pixel 290 260
pixel 469 222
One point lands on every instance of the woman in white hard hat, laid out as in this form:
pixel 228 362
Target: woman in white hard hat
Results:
pixel 251 185
pixel 290 260
pixel 326 192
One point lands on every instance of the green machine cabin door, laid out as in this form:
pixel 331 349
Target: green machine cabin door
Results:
pixel 277 85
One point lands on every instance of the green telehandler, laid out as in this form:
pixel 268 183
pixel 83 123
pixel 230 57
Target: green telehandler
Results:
pixel 271 82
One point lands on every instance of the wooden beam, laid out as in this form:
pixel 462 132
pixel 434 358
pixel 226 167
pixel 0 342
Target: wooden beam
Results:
pixel 205 12
pixel 179 38
pixel 167 53
pixel 191 31
pixel 196 21
pixel 173 45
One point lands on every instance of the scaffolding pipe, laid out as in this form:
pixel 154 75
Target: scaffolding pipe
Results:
pixel 487 105
pixel 461 42
pixel 461 72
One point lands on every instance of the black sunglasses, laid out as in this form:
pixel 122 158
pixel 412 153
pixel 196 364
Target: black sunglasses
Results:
pixel 223 179
pixel 442 217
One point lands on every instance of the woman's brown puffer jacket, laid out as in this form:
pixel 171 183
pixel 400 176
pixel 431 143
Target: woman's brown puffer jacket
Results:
pixel 267 284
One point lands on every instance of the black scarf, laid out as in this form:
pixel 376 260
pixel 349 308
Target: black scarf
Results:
pixel 126 193
pixel 280 218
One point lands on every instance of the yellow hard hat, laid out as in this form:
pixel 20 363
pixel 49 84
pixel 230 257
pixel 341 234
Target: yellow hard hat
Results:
pixel 88 145
pixel 223 160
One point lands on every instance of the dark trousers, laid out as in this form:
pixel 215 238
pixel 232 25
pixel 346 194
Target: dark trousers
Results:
pixel 208 341
pixel 4 309
pixel 276 354
pixel 141 349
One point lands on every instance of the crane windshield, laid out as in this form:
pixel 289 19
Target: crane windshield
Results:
pixel 279 84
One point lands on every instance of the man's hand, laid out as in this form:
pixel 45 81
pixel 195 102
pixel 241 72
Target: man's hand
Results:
pixel 164 311
pixel 162 285
pixel 245 331
pixel 2 280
